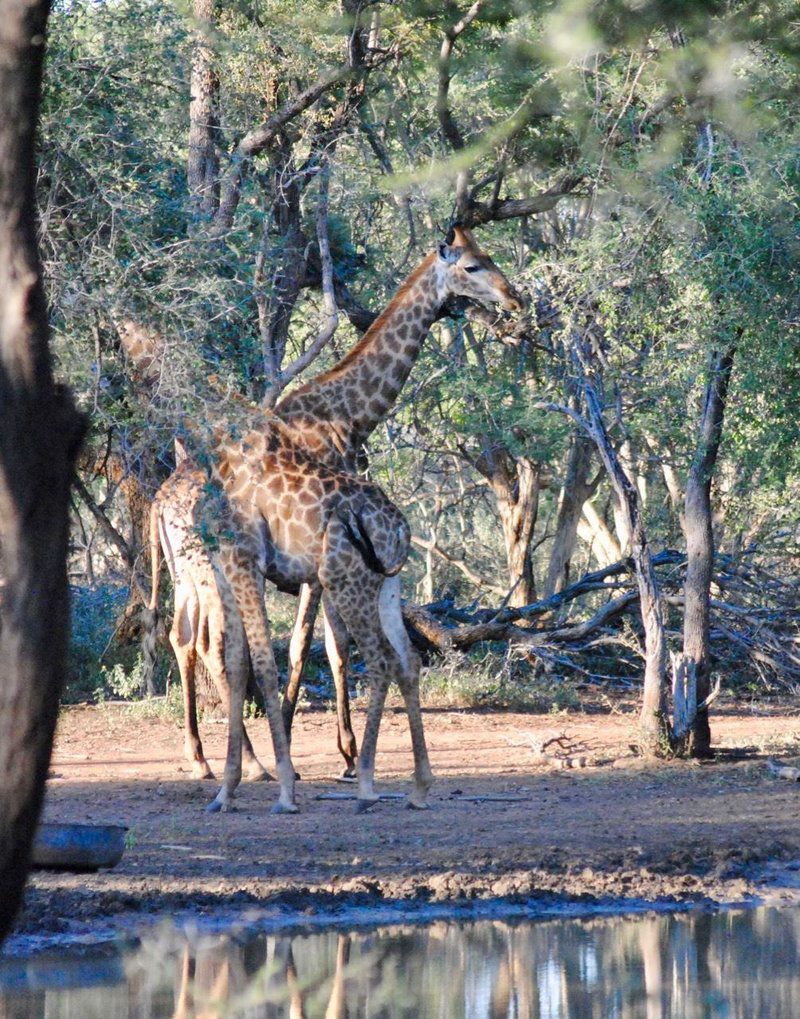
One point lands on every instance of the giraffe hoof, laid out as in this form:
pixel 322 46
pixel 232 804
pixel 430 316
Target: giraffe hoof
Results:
pixel 285 808
pixel 363 805
pixel 218 807
pixel 413 805
pixel 258 775
pixel 202 771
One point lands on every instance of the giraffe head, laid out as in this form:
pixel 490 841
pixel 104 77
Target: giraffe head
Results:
pixel 466 271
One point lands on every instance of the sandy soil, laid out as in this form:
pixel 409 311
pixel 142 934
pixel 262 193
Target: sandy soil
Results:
pixel 613 827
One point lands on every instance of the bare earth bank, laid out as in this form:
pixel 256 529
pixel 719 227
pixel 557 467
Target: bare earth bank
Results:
pixel 608 827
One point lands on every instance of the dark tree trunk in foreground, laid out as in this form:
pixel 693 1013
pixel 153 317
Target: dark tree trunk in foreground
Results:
pixel 40 432
pixel 700 541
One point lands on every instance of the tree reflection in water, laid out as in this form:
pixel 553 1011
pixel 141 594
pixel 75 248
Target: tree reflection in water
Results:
pixel 737 963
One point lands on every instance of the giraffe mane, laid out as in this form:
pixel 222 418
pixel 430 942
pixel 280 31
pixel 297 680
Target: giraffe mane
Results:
pixel 399 299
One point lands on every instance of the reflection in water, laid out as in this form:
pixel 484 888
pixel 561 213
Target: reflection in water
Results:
pixel 742 963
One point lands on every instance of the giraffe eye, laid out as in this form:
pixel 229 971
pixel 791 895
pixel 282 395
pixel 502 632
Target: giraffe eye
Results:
pixel 472 268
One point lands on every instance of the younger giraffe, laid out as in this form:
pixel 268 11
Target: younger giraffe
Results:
pixel 198 620
pixel 270 512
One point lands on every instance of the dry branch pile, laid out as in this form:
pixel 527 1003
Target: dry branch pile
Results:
pixel 755 622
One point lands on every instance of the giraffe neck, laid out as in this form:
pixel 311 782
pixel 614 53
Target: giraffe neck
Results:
pixel 339 409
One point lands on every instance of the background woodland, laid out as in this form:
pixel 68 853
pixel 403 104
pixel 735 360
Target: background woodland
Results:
pixel 633 167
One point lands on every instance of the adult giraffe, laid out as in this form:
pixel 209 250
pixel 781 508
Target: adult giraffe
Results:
pixel 329 418
pixel 336 412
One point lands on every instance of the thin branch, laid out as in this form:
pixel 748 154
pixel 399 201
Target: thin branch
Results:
pixel 450 130
pixel 113 535
pixel 472 577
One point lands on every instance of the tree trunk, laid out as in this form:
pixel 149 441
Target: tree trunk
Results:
pixel 653 717
pixel 576 490
pixel 203 161
pixel 516 484
pixel 598 536
pixel 700 540
pixel 280 269
pixel 40 432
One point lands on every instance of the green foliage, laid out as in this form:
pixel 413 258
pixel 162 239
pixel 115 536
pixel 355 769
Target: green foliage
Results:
pixel 680 122
pixel 94 616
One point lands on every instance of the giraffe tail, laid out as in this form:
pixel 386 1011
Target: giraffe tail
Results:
pixel 384 552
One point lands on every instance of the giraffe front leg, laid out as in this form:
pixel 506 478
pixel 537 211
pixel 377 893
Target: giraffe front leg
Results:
pixel 267 677
pixel 231 683
pixel 299 646
pixel 221 659
pixel 252 769
pixel 250 600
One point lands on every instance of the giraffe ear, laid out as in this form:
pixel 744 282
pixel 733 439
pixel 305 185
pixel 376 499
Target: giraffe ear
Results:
pixel 451 235
pixel 447 254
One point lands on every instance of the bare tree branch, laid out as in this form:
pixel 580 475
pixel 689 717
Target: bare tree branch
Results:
pixel 328 297
pixel 512 208
pixel 259 138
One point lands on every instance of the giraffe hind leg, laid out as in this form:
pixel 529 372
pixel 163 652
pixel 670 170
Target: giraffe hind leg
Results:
pixel 183 637
pixel 250 601
pixel 337 647
pixel 391 617
pixel 355 599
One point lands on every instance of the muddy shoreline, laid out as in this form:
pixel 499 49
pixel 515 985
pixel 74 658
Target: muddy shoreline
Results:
pixel 616 835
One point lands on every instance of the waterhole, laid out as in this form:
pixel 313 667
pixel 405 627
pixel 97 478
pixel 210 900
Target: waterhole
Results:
pixel 729 963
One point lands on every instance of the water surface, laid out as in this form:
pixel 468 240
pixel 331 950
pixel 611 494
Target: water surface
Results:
pixel 735 963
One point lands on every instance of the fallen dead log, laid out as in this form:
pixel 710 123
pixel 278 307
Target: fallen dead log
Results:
pixel 443 638
pixel 497 798
pixel 588 584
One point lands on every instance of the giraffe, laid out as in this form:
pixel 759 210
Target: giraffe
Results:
pixel 269 512
pixel 336 412
pixel 198 620
pixel 330 417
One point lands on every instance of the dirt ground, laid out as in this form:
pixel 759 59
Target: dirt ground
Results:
pixel 611 826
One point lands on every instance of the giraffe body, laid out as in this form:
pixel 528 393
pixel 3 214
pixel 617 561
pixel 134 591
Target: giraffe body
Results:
pixel 336 412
